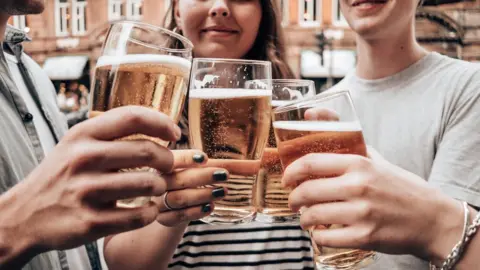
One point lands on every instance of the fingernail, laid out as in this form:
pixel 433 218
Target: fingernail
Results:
pixel 220 176
pixel 198 158
pixel 177 131
pixel 218 193
pixel 207 208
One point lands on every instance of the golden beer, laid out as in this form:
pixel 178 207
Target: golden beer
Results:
pixel 271 197
pixel 231 124
pixel 154 81
pixel 299 138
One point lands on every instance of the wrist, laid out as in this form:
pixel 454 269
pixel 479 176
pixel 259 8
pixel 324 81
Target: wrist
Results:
pixel 16 246
pixel 447 229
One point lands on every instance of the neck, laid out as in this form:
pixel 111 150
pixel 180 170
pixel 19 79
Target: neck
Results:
pixel 3 25
pixel 381 58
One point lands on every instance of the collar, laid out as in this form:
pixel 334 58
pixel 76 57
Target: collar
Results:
pixel 15 36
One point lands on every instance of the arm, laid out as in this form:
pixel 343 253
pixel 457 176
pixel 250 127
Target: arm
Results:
pixel 157 243
pixel 16 249
pixel 58 206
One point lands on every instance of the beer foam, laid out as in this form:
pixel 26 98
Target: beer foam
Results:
pixel 221 93
pixel 318 126
pixel 167 60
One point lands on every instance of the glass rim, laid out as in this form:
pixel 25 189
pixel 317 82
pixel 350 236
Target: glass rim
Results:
pixel 152 27
pixel 308 101
pixel 295 82
pixel 233 61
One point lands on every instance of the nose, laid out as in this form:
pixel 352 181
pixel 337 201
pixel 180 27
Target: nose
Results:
pixel 220 8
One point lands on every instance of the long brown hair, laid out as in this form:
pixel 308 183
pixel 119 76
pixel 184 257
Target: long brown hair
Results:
pixel 269 44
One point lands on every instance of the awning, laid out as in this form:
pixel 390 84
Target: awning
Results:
pixel 342 61
pixel 65 67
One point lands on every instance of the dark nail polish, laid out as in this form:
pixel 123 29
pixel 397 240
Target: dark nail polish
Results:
pixel 198 158
pixel 207 208
pixel 220 176
pixel 218 193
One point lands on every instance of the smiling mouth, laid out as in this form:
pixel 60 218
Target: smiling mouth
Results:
pixel 224 31
pixel 362 2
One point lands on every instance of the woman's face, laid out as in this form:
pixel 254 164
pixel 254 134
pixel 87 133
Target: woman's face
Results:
pixel 377 19
pixel 219 28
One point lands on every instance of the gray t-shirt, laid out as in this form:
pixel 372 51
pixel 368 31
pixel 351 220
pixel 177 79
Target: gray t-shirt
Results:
pixel 424 119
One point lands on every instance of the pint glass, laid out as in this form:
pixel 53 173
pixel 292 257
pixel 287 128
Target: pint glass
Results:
pixel 142 65
pixel 230 120
pixel 271 198
pixel 325 124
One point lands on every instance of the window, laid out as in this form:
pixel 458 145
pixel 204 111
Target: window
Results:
pixel 134 9
pixel 115 10
pixel 79 17
pixel 310 12
pixel 338 19
pixel 20 22
pixel 285 12
pixel 62 17
pixel 70 17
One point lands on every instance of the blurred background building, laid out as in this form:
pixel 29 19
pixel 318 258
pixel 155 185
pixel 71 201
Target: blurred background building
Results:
pixel 68 36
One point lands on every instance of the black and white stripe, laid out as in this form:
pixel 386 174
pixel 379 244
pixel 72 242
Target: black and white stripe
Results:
pixel 249 246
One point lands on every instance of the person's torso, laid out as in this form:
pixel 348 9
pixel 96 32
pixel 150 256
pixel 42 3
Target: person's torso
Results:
pixel 248 246
pixel 404 118
pixel 27 132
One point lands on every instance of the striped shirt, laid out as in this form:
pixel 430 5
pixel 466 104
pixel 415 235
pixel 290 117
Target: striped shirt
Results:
pixel 246 246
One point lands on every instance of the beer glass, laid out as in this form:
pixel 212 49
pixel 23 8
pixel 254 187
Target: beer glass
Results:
pixel 142 65
pixel 271 198
pixel 229 119
pixel 325 124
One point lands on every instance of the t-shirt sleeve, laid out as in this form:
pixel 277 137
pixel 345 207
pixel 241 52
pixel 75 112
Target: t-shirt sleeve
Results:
pixel 456 167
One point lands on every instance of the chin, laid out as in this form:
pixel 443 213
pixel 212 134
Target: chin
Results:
pixel 215 51
pixel 23 7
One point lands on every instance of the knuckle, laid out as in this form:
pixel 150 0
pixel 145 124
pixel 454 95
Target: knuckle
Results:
pixel 132 116
pixel 146 152
pixel 178 200
pixel 80 190
pixel 365 210
pixel 81 156
pixel 360 185
pixel 185 159
pixel 181 216
pixel 91 223
pixel 308 162
pixel 362 164
pixel 146 183
pixel 139 220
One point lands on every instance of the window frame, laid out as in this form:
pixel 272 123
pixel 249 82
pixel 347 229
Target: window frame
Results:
pixel 79 21
pixel 339 22
pixel 62 18
pixel 301 13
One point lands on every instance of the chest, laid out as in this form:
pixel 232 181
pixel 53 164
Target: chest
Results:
pixel 405 129
pixel 17 156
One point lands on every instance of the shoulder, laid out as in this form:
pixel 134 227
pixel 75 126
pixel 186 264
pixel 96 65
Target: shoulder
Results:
pixel 460 71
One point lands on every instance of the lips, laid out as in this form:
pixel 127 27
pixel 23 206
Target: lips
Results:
pixel 220 29
pixel 357 3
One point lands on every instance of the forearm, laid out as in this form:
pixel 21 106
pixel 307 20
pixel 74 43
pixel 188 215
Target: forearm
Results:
pixel 16 248
pixel 156 242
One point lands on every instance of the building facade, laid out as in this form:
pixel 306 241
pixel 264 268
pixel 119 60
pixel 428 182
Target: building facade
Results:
pixel 77 28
